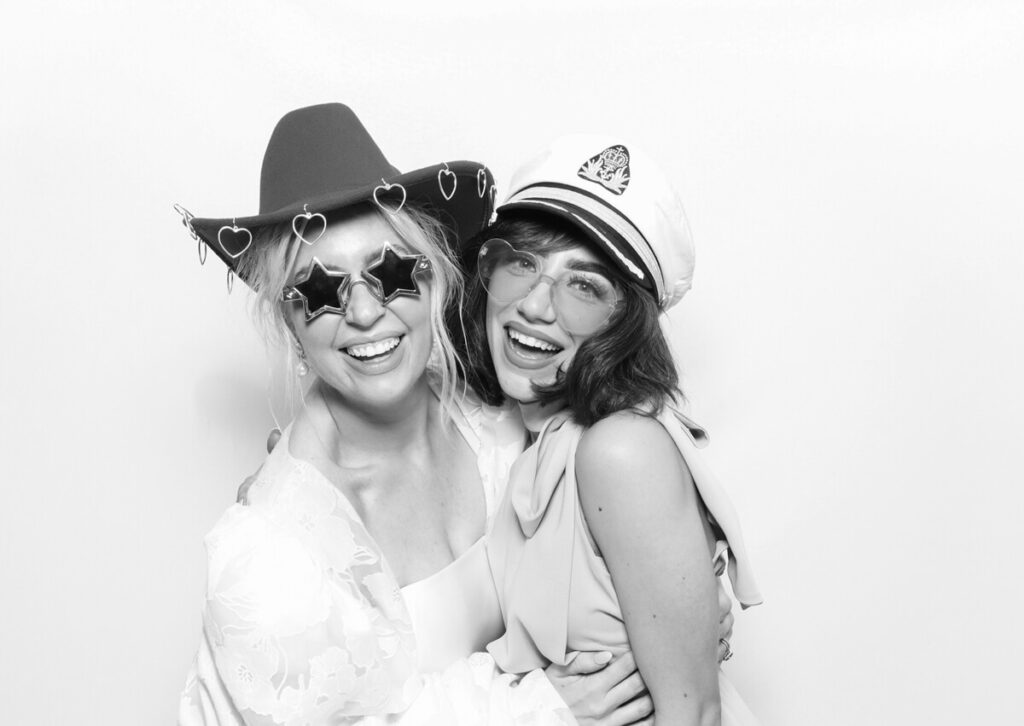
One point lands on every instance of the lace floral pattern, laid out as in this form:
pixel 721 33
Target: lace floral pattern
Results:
pixel 305 624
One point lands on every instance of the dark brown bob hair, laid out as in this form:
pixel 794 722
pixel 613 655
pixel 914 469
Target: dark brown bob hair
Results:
pixel 626 365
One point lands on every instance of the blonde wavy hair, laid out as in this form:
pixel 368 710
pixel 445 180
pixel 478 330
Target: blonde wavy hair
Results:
pixel 269 264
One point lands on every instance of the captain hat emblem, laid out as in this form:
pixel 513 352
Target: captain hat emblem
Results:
pixel 610 169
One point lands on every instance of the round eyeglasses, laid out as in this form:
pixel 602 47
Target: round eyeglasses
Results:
pixel 582 297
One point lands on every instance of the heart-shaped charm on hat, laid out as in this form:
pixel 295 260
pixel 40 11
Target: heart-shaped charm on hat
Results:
pixel 481 183
pixel 234 240
pixel 315 224
pixel 446 178
pixel 389 197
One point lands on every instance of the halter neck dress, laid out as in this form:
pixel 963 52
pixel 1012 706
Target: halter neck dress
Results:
pixel 556 593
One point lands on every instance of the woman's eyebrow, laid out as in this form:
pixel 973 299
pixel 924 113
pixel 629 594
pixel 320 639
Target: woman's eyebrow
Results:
pixel 374 256
pixel 368 259
pixel 587 266
pixel 304 271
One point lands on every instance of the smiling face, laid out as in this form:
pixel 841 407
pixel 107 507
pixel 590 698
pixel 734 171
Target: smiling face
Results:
pixel 374 354
pixel 528 340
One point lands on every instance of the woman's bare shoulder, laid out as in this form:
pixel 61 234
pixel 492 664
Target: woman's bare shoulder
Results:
pixel 626 442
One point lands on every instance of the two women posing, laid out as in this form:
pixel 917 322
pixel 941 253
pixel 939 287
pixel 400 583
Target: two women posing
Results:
pixel 385 544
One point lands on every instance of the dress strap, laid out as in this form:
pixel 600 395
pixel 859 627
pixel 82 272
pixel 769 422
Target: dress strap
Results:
pixel 716 501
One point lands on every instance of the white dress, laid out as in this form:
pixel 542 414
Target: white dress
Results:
pixel 304 623
pixel 454 611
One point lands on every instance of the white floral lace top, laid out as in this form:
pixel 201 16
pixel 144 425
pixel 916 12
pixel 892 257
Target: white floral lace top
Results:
pixel 304 623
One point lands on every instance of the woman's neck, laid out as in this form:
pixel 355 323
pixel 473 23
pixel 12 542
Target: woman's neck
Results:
pixel 351 432
pixel 536 414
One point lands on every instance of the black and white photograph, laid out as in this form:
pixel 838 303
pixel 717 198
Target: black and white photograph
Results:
pixel 512 364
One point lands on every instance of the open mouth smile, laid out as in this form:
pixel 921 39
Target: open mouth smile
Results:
pixel 376 350
pixel 529 345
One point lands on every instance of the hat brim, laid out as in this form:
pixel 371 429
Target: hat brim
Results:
pixel 593 228
pixel 459 194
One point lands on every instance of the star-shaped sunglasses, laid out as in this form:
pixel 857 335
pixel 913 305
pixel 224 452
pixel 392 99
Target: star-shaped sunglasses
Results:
pixel 323 290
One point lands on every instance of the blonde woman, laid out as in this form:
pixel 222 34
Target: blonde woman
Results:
pixel 353 587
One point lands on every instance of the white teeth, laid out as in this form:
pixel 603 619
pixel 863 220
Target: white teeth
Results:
pixel 532 342
pixel 370 350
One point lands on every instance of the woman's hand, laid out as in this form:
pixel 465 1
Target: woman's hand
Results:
pixel 600 693
pixel 725 623
pixel 243 491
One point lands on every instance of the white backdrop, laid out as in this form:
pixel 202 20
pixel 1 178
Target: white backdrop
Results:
pixel 853 175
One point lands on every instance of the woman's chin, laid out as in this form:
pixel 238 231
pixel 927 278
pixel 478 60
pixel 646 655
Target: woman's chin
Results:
pixel 521 387
pixel 383 384
pixel 517 382
pixel 516 387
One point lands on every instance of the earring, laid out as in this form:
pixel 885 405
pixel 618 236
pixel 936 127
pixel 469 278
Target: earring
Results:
pixel 434 359
pixel 302 368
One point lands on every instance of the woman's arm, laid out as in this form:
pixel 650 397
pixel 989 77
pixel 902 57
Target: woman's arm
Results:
pixel 645 516
pixel 304 625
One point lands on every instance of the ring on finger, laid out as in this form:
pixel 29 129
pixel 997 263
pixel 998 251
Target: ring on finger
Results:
pixel 728 649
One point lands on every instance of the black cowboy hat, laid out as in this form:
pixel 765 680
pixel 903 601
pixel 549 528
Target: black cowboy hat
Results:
pixel 321 159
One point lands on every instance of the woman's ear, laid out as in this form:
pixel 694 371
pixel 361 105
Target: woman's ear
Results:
pixel 302 367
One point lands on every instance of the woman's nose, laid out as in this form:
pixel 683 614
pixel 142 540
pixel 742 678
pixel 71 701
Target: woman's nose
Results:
pixel 363 308
pixel 536 305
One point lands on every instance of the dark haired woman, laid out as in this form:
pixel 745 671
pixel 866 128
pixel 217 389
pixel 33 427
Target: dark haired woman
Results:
pixel 610 519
